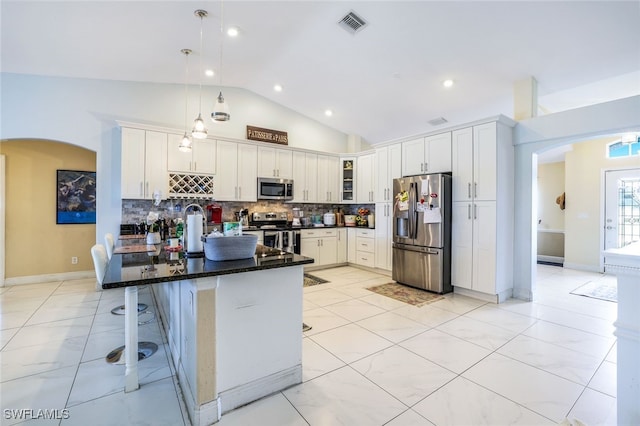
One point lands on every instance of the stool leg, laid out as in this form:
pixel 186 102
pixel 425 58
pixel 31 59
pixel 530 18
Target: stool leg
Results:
pixel 131 339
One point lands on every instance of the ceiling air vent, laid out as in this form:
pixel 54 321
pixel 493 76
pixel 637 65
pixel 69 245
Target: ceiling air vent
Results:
pixel 352 22
pixel 437 121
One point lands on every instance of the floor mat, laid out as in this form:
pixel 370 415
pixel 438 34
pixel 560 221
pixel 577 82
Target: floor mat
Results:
pixel 403 293
pixel 598 290
pixel 310 280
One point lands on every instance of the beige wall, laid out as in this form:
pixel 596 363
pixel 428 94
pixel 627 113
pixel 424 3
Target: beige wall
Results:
pixel 35 244
pixel 583 184
pixel 550 186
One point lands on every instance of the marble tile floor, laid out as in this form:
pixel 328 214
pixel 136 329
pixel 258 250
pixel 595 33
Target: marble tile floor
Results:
pixel 368 359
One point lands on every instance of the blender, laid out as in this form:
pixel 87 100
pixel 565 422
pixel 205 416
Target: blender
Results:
pixel 297 214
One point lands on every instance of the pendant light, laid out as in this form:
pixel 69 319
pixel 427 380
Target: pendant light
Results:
pixel 185 144
pixel 221 108
pixel 199 130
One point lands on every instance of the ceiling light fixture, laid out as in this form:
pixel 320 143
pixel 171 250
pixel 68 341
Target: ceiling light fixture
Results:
pixel 185 143
pixel 199 130
pixel 447 83
pixel 233 32
pixel 209 73
pixel 328 113
pixel 221 108
pixel 277 88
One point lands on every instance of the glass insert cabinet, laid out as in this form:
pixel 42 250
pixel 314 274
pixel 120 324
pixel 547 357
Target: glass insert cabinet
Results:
pixel 347 179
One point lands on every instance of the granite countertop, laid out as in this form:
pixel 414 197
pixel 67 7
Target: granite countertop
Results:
pixel 162 266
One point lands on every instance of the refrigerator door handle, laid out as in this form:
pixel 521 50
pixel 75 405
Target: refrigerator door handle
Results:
pixel 415 210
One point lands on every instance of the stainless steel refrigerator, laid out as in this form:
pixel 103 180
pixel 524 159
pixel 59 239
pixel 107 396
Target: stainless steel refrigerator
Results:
pixel 422 232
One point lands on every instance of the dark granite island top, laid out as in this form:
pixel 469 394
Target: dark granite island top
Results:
pixel 162 266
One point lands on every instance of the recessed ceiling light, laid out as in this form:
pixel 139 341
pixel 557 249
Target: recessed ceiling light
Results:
pixel 209 73
pixel 277 88
pixel 328 113
pixel 447 83
pixel 232 32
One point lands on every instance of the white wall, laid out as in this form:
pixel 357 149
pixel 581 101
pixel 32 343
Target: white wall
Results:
pixel 83 112
pixel 540 133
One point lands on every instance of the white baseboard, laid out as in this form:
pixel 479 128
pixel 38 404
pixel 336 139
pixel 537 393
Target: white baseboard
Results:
pixel 523 294
pixel 581 267
pixel 491 298
pixel 252 391
pixel 553 259
pixel 63 276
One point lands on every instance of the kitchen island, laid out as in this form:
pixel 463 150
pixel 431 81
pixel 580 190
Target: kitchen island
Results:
pixel 234 328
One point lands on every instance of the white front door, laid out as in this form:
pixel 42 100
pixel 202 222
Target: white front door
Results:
pixel 622 207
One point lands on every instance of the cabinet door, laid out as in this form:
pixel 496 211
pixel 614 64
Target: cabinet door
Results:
pixel 247 178
pixel 310 247
pixel 395 165
pixel 462 164
pixel 327 179
pixel 485 161
pixel 382 174
pixel 351 245
pixel 266 162
pixel 438 153
pixel 365 179
pixel 155 165
pixel 484 247
pixel 328 253
pixel 347 180
pixel 177 161
pixel 204 156
pixel 462 244
pixel 342 246
pixel 284 163
pixel 311 177
pixel 413 157
pixel 132 163
pixel 299 177
pixel 225 187
pixel 383 236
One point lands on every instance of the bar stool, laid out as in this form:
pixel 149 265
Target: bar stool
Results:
pixel 145 349
pixel 119 310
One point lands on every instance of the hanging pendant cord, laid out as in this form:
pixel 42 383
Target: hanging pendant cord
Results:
pixel 200 79
pixel 221 38
pixel 186 87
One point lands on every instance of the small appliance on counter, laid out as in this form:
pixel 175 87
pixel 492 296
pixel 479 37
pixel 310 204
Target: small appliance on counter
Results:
pixel 196 227
pixel 329 219
pixel 214 213
pixel 298 213
pixel 242 216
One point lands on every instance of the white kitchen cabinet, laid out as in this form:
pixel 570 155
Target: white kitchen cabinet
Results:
pixel 431 154
pixel 483 197
pixel 143 164
pixel 388 167
pixel 365 178
pixel 342 241
pixel 236 178
pixel 347 179
pixel 327 179
pixel 305 176
pixel 275 162
pixel 320 244
pixel 201 159
pixel 365 247
pixel 383 237
pixel 351 245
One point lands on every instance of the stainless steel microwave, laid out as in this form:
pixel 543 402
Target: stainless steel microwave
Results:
pixel 275 189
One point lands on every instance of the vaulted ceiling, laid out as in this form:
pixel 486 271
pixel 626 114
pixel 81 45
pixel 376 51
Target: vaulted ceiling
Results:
pixel 382 83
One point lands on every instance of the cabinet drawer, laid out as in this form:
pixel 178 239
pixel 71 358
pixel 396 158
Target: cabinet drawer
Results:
pixel 365 233
pixel 319 233
pixel 365 244
pixel 365 259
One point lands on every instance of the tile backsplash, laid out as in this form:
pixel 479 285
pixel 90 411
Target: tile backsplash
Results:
pixel 135 211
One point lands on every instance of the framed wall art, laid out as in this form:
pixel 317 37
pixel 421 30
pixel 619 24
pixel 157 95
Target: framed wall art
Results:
pixel 75 197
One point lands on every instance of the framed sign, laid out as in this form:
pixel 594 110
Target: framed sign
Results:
pixel 75 197
pixel 267 135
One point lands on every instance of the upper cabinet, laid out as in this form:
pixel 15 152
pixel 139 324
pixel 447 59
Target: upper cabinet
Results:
pixel 305 177
pixel 328 173
pixel 388 168
pixel 143 164
pixel 475 163
pixel 431 154
pixel 365 178
pixel 201 159
pixel 347 180
pixel 274 162
pixel 236 179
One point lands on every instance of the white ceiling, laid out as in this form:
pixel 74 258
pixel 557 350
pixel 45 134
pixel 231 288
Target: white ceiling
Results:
pixel 382 83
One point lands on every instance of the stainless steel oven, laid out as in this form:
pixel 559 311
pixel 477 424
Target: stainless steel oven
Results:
pixel 284 240
pixel 275 189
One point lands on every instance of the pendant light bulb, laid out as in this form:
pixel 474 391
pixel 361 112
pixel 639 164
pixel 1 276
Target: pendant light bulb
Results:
pixel 199 130
pixel 220 110
pixel 185 144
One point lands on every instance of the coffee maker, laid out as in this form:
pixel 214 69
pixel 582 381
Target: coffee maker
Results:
pixel 297 214
pixel 242 216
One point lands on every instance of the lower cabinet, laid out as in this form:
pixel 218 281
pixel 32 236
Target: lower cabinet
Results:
pixel 383 231
pixel 365 247
pixel 260 235
pixel 351 245
pixel 320 244
pixel 342 245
